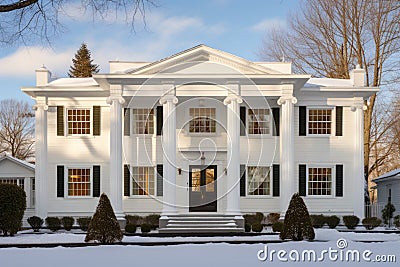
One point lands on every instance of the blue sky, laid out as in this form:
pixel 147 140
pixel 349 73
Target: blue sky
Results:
pixel 235 26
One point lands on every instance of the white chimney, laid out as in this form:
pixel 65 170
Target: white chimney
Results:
pixel 42 76
pixel 357 76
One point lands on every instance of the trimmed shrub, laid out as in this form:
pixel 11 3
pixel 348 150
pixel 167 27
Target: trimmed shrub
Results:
pixel 153 220
pixel 317 221
pixel 35 222
pixel 396 221
pixel 297 224
pixel 259 217
pixel 351 221
pixel 257 227
pixel 277 226
pixel 145 228
pixel 104 226
pixel 84 223
pixel 134 219
pixel 130 228
pixel 53 223
pixel 387 213
pixel 273 218
pixel 249 219
pixel 12 208
pixel 332 221
pixel 371 222
pixel 247 227
pixel 67 223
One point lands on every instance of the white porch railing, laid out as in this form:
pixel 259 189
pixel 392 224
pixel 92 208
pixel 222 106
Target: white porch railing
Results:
pixel 374 210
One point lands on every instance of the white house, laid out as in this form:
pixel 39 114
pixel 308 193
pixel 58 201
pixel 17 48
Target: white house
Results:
pixel 200 136
pixel 388 189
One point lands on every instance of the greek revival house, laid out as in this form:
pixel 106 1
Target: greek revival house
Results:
pixel 200 136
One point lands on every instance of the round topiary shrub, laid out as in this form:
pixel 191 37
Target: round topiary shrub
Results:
pixel 130 228
pixel 277 226
pixel 259 217
pixel 297 224
pixel 145 228
pixel 257 227
pixel 104 226
pixel 84 223
pixel 35 222
pixel 153 220
pixel 12 208
pixel 67 222
pixel 317 221
pixel 351 221
pixel 273 218
pixel 247 227
pixel 249 219
pixel 396 221
pixel 134 219
pixel 53 223
pixel 371 222
pixel 332 221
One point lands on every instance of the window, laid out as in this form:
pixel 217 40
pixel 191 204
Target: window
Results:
pixel 319 181
pixel 79 182
pixel 259 121
pixel 144 121
pixel 319 121
pixel 258 181
pixel 16 181
pixel 143 181
pixel 78 121
pixel 202 120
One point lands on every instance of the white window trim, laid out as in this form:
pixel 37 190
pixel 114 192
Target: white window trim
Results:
pixel 269 195
pixel 333 182
pixel 248 124
pixel 195 134
pixel 66 181
pixel 333 121
pixel 66 121
pixel 132 123
pixel 154 195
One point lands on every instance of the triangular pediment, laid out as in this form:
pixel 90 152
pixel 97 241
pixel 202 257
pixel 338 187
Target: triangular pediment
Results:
pixel 202 59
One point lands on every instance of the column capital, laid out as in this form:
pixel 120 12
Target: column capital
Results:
pixel 113 98
pixel 168 98
pixel 358 104
pixel 231 98
pixel 282 100
pixel 40 106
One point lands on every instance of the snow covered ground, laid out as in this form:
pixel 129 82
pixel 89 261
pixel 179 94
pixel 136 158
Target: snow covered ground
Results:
pixel 333 248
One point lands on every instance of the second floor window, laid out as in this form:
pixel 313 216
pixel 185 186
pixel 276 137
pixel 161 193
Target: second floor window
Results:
pixel 202 120
pixel 78 121
pixel 319 121
pixel 259 121
pixel 143 121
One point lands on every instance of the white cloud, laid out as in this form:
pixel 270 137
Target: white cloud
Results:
pixel 267 24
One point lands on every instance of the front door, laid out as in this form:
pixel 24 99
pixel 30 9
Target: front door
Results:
pixel 203 188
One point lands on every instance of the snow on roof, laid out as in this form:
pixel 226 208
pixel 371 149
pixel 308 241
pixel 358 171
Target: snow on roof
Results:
pixel 67 82
pixel 328 82
pixel 392 174
pixel 18 161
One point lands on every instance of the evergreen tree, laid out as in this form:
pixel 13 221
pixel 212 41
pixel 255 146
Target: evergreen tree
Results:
pixel 83 65
pixel 297 224
pixel 104 226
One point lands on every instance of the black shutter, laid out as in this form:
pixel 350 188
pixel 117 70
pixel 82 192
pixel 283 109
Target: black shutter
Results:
pixel 276 115
pixel 275 180
pixel 60 181
pixel 60 120
pixel 96 120
pixel 243 180
pixel 96 181
pixel 302 179
pixel 339 121
pixel 302 121
pixel 159 180
pixel 339 180
pixel 243 121
pixel 127 121
pixel 127 176
pixel 160 120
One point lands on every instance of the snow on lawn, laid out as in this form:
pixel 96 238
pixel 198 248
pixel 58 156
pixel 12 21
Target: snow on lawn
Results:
pixel 210 254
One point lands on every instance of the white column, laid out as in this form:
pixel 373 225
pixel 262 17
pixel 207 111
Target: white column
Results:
pixel 287 101
pixel 169 154
pixel 359 181
pixel 116 101
pixel 41 156
pixel 232 102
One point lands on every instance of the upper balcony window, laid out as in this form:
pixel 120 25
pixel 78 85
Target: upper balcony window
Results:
pixel 259 121
pixel 202 120
pixel 143 121
pixel 78 121
pixel 319 121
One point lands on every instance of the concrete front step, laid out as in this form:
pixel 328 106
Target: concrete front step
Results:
pixel 200 230
pixel 202 225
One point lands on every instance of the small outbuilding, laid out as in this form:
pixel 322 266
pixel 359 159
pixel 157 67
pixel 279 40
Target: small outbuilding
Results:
pixel 388 187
